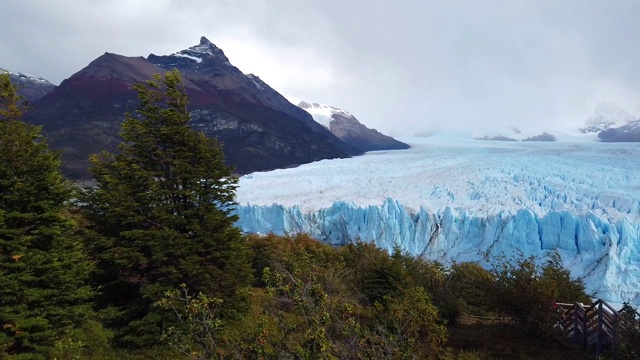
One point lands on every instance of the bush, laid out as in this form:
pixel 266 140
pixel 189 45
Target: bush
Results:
pixel 526 291
pixel 467 286
pixel 629 334
pixel 377 275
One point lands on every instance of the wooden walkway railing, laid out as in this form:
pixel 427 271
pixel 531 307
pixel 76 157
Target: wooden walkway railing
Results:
pixel 596 325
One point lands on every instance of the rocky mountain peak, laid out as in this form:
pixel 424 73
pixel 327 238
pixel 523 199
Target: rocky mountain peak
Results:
pixel 321 109
pixel 30 87
pixel 348 129
pixel 205 50
pixel 607 115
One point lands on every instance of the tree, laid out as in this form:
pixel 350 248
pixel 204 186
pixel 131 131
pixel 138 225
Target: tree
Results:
pixel 196 334
pixel 12 106
pixel 410 328
pixel 628 327
pixel 526 291
pixel 43 270
pixel 162 216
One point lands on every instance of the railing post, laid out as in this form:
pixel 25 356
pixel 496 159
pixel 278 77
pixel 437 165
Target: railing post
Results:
pixel 576 325
pixel 599 336
pixel 614 334
pixel 585 327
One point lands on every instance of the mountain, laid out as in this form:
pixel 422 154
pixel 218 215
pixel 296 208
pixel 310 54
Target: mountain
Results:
pixel 82 115
pixel 30 87
pixel 545 136
pixel 259 129
pixel 626 133
pixel 348 129
pixel 496 138
pixel 605 116
pixel 451 199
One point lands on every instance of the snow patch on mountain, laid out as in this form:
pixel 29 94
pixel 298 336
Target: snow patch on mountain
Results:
pixel 203 50
pixel 256 81
pixel 26 77
pixel 321 113
pixel 605 116
pixel 197 59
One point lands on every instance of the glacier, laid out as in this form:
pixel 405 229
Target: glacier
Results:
pixel 452 199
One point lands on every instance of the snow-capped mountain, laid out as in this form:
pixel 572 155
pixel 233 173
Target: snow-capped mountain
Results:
pixel 323 114
pixel 449 198
pixel 30 87
pixel 204 50
pixel 626 133
pixel 605 116
pixel 259 128
pixel 348 129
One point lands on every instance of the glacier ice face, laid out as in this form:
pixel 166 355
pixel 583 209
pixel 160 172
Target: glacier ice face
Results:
pixel 606 254
pixel 451 201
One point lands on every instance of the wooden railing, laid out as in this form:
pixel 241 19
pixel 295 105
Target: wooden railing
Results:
pixel 594 326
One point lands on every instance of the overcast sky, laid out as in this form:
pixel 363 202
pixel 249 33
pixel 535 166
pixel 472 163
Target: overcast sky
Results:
pixel 400 66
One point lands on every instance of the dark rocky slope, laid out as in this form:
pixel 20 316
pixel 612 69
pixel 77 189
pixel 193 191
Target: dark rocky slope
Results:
pixel 259 129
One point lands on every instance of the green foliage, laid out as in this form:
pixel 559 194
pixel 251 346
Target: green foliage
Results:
pixel 527 291
pixel 303 312
pixel 288 251
pixel 468 284
pixel 628 327
pixel 12 106
pixel 321 306
pixel 312 305
pixel 196 334
pixel 378 275
pixel 566 288
pixel 42 265
pixel 89 341
pixel 43 269
pixel 410 328
pixel 160 216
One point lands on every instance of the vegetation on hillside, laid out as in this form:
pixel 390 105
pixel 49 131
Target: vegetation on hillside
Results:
pixel 148 264
pixel 44 292
pixel 160 216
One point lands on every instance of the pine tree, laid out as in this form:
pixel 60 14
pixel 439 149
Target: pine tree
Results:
pixel 162 215
pixel 43 270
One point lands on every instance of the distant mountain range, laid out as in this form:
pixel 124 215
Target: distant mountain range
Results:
pixel 609 121
pixel 605 116
pixel 613 124
pixel 259 129
pixel 517 135
pixel 30 87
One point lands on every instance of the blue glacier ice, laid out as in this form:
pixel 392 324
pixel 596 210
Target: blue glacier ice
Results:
pixel 456 202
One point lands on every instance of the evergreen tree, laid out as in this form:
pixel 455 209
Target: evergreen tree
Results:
pixel 43 270
pixel 162 215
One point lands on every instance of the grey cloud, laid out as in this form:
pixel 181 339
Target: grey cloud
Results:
pixel 399 66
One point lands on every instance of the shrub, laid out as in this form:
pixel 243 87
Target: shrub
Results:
pixel 527 291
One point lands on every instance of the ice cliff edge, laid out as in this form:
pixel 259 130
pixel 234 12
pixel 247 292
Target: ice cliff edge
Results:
pixel 605 252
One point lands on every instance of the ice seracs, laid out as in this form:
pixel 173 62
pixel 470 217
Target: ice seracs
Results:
pixel 453 199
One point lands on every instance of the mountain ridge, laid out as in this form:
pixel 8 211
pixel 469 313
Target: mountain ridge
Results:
pixel 258 128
